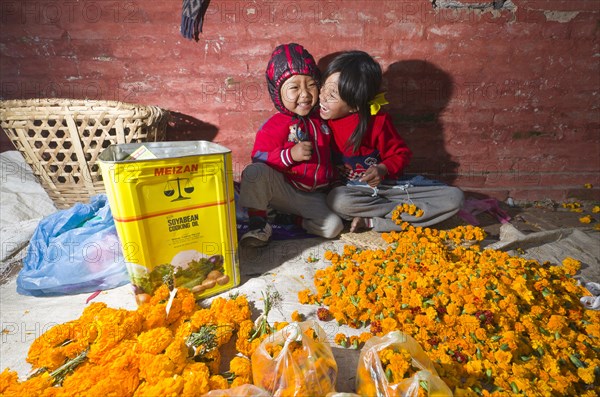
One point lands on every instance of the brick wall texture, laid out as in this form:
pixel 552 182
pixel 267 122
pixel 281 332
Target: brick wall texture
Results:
pixel 503 102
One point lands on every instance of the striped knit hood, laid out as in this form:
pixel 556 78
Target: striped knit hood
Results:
pixel 286 61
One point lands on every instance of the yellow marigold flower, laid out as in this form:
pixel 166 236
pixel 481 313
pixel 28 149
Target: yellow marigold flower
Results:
pixel 571 265
pixel 572 205
pixel 596 209
pixel 241 367
pixel 341 339
pixel 297 317
pixel 217 382
pixel 195 376
pixel 556 323
pixel 588 186
pixel 305 297
pixel 502 357
pixel 586 219
pixel 8 379
pixel 31 387
pixel 155 340
pixel 587 374
pixel 389 324
pixel 365 336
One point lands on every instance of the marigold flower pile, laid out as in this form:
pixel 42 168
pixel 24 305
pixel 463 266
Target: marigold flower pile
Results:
pixel 493 324
pixel 145 352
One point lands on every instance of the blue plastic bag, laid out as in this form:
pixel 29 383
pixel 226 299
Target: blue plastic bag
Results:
pixel 74 251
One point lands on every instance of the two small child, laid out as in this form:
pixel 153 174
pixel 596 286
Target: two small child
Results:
pixel 292 170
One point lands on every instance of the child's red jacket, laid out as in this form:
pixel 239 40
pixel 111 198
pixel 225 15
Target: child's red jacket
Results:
pixel 275 139
pixel 381 144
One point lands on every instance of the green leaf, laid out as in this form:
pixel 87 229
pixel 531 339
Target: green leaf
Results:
pixel 575 360
pixel 514 387
pixel 546 292
pixel 389 374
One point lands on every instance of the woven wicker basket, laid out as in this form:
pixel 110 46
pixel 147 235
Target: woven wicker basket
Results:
pixel 62 138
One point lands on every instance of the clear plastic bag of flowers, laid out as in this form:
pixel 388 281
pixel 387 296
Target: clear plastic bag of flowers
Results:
pixel 239 391
pixel 394 365
pixel 295 361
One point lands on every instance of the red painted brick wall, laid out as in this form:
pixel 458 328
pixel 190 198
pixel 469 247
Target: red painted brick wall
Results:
pixel 502 102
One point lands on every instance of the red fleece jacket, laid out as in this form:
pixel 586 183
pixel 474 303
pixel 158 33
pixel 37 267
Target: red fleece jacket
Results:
pixel 381 144
pixel 275 139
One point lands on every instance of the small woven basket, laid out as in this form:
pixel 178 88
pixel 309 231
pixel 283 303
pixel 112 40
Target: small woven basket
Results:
pixel 61 139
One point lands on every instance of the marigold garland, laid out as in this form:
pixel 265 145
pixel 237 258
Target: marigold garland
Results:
pixel 146 351
pixel 492 323
pixel 409 209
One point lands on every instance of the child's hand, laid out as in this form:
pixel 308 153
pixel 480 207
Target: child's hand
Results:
pixel 374 174
pixel 302 151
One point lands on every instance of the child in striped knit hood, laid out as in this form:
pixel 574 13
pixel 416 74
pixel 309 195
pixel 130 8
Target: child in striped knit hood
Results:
pixel 291 167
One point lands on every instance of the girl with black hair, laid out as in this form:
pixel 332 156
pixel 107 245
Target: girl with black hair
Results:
pixel 371 155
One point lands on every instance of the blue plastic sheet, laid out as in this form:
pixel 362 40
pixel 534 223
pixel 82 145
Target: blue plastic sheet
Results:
pixel 74 251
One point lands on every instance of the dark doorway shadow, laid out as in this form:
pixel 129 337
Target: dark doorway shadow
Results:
pixel 418 92
pixel 183 127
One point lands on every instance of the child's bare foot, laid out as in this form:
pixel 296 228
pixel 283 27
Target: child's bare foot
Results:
pixel 359 223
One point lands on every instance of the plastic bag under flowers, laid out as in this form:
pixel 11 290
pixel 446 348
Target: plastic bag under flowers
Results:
pixel 396 366
pixel 295 361
pixel 74 251
pixel 239 391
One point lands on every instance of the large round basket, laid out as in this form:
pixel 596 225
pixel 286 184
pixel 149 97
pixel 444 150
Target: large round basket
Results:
pixel 62 138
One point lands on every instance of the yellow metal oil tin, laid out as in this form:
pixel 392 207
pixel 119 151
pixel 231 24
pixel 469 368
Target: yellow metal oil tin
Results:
pixel 174 210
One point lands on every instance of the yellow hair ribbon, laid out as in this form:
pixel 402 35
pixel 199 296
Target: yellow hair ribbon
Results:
pixel 377 103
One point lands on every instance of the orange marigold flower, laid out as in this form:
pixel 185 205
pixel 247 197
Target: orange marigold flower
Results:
pixel 586 219
pixel 341 339
pixel 297 317
pixel 571 265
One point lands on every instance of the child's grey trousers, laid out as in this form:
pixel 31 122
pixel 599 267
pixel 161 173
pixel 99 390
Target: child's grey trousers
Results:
pixel 437 200
pixel 263 187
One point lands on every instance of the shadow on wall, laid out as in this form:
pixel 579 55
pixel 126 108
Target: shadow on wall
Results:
pixel 418 92
pixel 187 128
